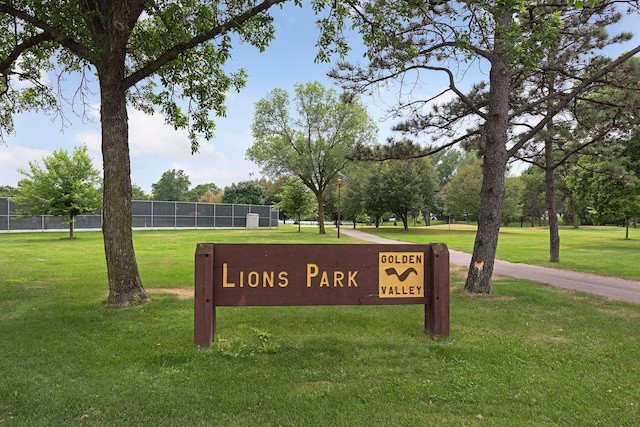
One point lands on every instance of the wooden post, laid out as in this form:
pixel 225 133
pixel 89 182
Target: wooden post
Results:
pixel 204 328
pixel 436 311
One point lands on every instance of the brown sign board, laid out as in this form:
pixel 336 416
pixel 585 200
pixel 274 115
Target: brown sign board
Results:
pixel 316 274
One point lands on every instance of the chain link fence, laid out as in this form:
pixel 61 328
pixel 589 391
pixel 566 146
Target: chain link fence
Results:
pixel 149 214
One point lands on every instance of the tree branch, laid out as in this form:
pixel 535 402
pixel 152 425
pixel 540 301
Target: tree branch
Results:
pixel 52 33
pixel 570 96
pixel 173 52
pixel 20 49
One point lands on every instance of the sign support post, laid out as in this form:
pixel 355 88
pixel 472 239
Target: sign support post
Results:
pixel 204 310
pixel 437 309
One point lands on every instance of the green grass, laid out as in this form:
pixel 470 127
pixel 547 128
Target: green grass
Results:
pixel 598 250
pixel 529 355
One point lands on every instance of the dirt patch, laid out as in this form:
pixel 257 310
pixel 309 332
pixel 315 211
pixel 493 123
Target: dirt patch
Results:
pixel 548 338
pixel 181 293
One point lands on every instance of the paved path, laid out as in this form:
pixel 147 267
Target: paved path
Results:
pixel 610 287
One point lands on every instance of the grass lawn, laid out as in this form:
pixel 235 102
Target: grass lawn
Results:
pixel 529 355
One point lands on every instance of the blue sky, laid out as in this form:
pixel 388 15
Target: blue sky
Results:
pixel 156 147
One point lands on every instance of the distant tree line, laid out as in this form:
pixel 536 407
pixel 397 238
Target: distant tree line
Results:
pixel 175 185
pixel 446 187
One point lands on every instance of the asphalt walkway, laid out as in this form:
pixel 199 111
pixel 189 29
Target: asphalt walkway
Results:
pixel 610 287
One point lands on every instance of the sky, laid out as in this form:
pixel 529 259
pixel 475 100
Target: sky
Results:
pixel 156 147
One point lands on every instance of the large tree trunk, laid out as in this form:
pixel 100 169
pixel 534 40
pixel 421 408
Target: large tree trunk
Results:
pixel 493 169
pixel 125 286
pixel 486 243
pixel 550 186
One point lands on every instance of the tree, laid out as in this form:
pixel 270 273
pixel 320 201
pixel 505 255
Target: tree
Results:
pixel 172 186
pixel 533 192
pixel 314 143
pixel 406 39
pixel 512 201
pixel 244 192
pixel 209 197
pixel 352 193
pixel 273 189
pixel 197 192
pixel 409 187
pixel 401 187
pixel 610 187
pixel 66 186
pixel 7 191
pixel 447 162
pixel 151 54
pixel 137 193
pixel 608 129
pixel 296 199
pixel 463 192
pixel 374 201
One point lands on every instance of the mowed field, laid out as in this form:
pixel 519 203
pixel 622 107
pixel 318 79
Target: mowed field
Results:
pixel 528 355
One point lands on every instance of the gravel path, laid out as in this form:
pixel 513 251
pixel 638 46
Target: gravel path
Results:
pixel 610 287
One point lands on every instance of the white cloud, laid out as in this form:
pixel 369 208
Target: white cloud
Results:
pixel 156 147
pixel 90 138
pixel 149 134
pixel 17 157
pixel 199 174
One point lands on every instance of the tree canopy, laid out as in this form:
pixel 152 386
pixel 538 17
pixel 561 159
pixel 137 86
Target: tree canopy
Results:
pixel 244 192
pixel 7 190
pixel 172 186
pixel 296 200
pixel 462 192
pixel 403 187
pixel 610 185
pixel 352 193
pixel 211 197
pixel 65 186
pixel 533 204
pixel 137 193
pixel 312 139
pixel 200 191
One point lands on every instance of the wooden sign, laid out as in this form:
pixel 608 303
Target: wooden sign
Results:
pixel 285 275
